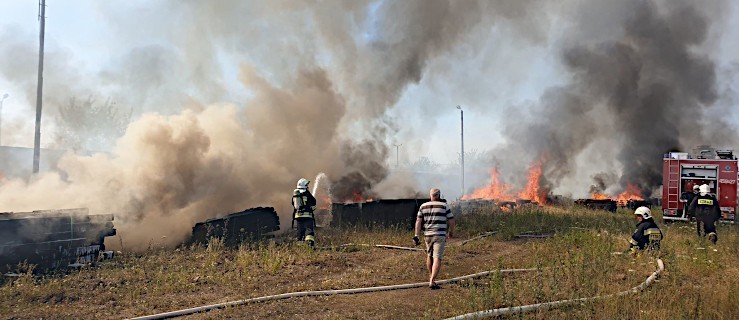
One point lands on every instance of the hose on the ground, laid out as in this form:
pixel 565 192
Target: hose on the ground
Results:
pixel 385 246
pixel 183 312
pixel 560 303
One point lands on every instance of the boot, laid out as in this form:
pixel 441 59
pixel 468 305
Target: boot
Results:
pixel 713 237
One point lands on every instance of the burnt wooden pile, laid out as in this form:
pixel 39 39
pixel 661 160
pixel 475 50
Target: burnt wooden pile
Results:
pixel 52 239
pixel 379 213
pixel 237 227
pixel 633 204
pixel 598 204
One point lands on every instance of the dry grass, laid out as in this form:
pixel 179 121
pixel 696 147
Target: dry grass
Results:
pixel 701 281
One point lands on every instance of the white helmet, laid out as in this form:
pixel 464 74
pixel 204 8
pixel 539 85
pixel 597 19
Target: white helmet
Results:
pixel 704 189
pixel 644 212
pixel 696 187
pixel 303 183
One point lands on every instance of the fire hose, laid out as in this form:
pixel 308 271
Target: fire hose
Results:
pixel 385 246
pixel 501 311
pixel 560 303
pixel 183 312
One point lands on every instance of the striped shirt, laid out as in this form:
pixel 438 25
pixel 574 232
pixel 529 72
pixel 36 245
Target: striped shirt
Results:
pixel 435 215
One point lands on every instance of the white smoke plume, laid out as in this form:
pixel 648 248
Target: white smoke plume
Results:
pixel 234 101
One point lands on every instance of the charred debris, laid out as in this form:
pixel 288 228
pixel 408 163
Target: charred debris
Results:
pixel 53 239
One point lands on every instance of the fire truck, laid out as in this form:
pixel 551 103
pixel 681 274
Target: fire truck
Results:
pixel 705 165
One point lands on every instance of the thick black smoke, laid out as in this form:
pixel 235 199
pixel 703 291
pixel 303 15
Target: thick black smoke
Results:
pixel 643 93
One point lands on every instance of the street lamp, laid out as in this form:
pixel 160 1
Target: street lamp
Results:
pixel 396 153
pixel 461 126
pixel 5 96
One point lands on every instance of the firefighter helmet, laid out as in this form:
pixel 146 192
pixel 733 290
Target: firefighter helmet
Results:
pixel 704 189
pixel 303 183
pixel 644 212
pixel 696 187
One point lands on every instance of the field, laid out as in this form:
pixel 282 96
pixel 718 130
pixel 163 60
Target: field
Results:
pixel 701 281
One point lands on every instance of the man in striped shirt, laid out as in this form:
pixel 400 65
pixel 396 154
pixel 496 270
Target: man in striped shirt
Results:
pixel 438 224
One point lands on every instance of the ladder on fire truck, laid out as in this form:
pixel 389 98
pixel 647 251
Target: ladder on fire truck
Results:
pixel 673 183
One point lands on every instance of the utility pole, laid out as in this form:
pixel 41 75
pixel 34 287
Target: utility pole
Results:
pixel 396 153
pixel 40 87
pixel 5 96
pixel 461 123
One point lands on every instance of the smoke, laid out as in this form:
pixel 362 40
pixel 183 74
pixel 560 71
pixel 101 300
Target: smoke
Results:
pixel 234 101
pixel 639 94
pixel 601 182
pixel 168 172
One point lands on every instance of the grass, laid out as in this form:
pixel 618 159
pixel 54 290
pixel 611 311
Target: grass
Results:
pixel 701 280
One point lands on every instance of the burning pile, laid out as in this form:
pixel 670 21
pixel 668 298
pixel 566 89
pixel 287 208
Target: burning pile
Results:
pixel 630 198
pixel 631 194
pixel 503 193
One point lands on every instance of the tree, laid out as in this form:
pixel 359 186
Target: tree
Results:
pixel 86 125
pixel 424 164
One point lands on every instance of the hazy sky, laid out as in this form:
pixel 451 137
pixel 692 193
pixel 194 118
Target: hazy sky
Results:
pixel 92 35
pixel 87 34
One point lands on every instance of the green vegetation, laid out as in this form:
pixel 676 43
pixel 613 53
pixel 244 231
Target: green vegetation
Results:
pixel 701 280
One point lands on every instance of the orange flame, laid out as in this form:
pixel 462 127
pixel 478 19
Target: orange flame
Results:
pixel 496 190
pixel 357 197
pixel 632 193
pixel 600 196
pixel 532 191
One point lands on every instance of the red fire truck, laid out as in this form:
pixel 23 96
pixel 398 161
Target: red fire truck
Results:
pixel 706 165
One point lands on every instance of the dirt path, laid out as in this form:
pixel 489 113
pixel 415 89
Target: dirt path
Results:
pixel 392 267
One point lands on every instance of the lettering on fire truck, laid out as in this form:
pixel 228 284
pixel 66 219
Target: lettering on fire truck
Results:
pixel 729 181
pixel 727 209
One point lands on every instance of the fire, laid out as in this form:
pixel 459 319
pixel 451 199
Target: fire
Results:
pixel 532 191
pixel 357 197
pixel 632 193
pixel 496 190
pixel 500 191
pixel 600 196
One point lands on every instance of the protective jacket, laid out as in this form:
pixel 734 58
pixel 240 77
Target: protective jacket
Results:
pixel 688 197
pixel 647 236
pixel 303 204
pixel 707 211
pixel 705 207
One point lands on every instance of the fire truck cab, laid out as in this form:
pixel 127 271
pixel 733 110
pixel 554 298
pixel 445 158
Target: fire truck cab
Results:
pixel 705 165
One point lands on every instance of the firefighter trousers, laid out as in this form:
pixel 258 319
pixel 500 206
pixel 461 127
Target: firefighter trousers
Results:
pixel 705 225
pixel 305 230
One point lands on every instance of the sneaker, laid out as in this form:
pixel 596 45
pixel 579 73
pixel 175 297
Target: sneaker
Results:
pixel 434 287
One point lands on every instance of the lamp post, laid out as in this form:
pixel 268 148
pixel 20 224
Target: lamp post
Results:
pixel 461 126
pixel 396 153
pixel 39 87
pixel 5 96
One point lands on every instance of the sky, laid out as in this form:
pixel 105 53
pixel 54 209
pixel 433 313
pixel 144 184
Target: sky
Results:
pixel 486 78
pixel 84 33
pixel 231 101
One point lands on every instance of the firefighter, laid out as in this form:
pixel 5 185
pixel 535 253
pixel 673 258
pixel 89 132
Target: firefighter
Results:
pixel 706 211
pixel 303 206
pixel 647 235
pixel 686 198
